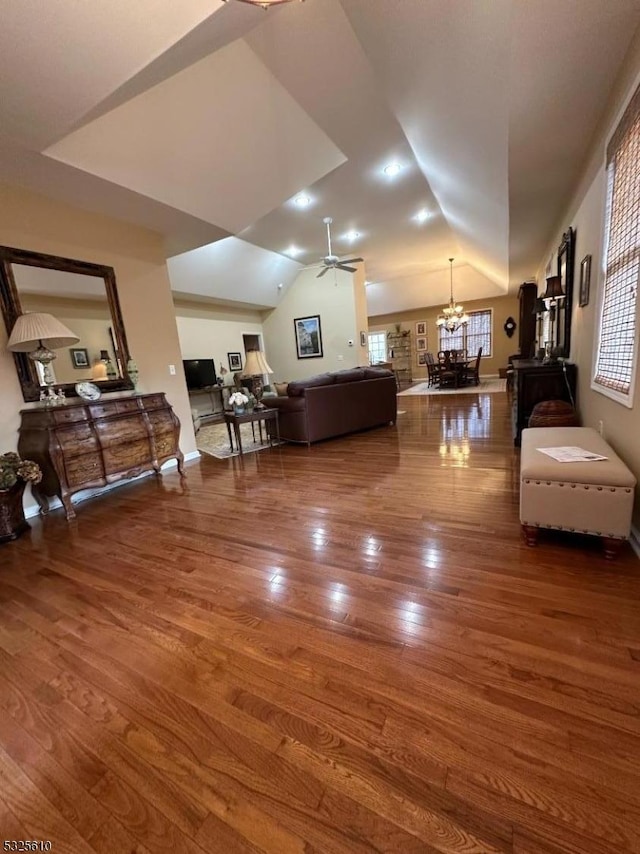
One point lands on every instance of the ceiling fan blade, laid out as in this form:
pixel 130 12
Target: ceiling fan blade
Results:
pixel 322 272
pixel 352 260
pixel 346 269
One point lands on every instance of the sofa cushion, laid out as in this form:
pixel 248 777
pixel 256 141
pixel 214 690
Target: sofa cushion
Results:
pixel 297 387
pixel 374 373
pixel 281 388
pixel 349 375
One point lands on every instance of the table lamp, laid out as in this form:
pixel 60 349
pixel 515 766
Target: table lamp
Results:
pixel 553 295
pixel 256 366
pixel 38 335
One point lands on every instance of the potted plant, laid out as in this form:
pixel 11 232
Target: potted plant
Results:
pixel 15 473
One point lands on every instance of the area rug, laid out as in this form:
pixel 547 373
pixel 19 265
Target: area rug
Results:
pixel 213 439
pixel 488 386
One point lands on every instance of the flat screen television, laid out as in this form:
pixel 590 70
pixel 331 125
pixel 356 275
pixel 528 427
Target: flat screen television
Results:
pixel 199 373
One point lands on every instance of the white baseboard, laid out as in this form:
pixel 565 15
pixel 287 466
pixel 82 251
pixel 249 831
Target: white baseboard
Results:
pixel 634 539
pixel 55 503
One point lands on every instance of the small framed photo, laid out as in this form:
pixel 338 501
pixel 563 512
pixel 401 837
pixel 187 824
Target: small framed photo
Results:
pixel 235 361
pixel 363 339
pixel 585 280
pixel 421 328
pixel 421 344
pixel 308 337
pixel 80 357
pixel 422 359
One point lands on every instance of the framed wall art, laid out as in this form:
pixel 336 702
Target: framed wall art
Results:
pixel 235 361
pixel 421 327
pixel 308 337
pixel 421 343
pixel 585 280
pixel 80 357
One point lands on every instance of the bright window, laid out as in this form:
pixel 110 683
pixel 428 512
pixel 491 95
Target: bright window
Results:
pixel 377 347
pixel 617 340
pixel 470 337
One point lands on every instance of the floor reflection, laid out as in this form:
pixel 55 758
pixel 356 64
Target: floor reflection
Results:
pixel 460 422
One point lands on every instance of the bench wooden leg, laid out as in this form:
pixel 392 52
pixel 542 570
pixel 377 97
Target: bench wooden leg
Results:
pixel 611 547
pixel 530 534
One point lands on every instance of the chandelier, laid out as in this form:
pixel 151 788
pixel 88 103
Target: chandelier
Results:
pixel 265 4
pixel 453 316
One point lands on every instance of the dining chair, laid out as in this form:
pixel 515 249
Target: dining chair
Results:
pixel 471 373
pixel 433 370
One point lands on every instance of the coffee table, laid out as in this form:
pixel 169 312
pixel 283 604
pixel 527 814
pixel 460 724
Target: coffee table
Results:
pixel 255 416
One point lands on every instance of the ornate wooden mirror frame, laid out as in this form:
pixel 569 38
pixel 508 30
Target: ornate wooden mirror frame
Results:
pixel 566 263
pixel 12 309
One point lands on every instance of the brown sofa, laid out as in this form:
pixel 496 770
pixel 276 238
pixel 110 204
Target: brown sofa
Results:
pixel 336 403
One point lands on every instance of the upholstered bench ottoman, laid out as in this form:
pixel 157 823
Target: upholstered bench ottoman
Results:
pixel 585 497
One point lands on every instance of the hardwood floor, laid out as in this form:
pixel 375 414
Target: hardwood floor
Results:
pixel 340 649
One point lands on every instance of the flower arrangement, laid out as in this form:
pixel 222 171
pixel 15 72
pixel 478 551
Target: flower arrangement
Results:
pixel 13 469
pixel 238 399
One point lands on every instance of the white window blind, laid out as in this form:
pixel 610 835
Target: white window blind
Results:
pixel 617 340
pixel 475 334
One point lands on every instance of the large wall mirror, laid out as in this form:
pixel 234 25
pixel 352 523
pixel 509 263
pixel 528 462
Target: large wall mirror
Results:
pixel 85 298
pixel 566 263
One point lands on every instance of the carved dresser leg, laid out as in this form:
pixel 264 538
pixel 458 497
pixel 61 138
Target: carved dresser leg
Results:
pixel 611 547
pixel 530 534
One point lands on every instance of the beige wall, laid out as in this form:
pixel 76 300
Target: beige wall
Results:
pixel 503 347
pixel 336 305
pixel 34 222
pixel 210 332
pixel 585 213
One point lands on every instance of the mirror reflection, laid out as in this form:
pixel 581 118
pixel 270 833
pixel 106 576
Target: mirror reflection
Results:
pixel 39 292
pixel 80 302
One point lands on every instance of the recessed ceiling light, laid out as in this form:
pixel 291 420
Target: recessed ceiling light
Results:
pixel 392 169
pixel 302 201
pixel 352 235
pixel 422 215
pixel 292 251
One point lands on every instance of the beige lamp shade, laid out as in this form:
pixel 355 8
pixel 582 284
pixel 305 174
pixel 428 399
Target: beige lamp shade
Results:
pixel 32 330
pixel 256 364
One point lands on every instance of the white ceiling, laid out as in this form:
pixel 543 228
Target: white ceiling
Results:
pixel 204 119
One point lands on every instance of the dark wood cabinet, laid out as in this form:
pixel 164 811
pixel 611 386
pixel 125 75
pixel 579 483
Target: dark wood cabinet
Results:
pixel 527 320
pixel 84 445
pixel 534 382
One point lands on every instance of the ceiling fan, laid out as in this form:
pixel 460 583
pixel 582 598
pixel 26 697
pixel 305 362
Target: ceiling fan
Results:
pixel 331 261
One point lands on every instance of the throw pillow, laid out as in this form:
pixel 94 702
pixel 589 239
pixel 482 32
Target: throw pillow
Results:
pixel 281 389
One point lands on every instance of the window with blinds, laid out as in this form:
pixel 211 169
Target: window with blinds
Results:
pixel 617 348
pixel 377 347
pixel 475 334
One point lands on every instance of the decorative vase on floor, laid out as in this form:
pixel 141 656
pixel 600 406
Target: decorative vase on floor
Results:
pixel 12 521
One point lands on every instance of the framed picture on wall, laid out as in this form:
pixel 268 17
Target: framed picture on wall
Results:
pixel 235 361
pixel 421 327
pixel 308 337
pixel 80 357
pixel 585 280
pixel 421 343
pixel 422 359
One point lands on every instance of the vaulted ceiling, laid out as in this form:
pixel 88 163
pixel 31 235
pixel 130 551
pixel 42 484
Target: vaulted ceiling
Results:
pixel 205 120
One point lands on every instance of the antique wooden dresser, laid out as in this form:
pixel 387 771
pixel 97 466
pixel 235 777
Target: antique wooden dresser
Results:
pixel 84 445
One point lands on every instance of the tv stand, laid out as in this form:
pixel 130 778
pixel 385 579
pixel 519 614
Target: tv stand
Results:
pixel 208 402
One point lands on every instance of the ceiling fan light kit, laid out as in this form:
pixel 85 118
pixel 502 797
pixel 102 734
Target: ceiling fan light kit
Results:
pixel 453 316
pixel 333 262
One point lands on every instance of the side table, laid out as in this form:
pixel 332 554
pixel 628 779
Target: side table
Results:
pixel 257 415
